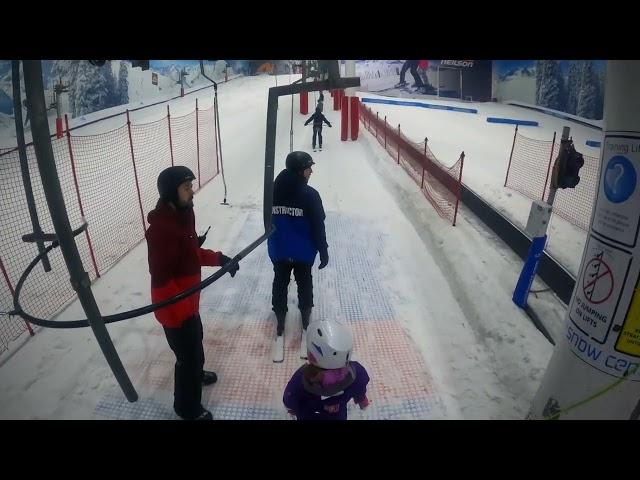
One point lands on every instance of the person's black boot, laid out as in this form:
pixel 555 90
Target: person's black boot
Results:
pixel 204 415
pixel 209 378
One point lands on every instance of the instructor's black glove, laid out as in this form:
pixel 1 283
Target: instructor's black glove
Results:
pixel 324 259
pixel 329 125
pixel 226 260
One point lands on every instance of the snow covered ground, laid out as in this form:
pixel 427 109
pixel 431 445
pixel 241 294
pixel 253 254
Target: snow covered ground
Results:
pixel 429 304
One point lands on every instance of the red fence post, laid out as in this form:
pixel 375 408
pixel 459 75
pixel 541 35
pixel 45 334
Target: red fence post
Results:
pixel 13 292
pixel 304 103
pixel 553 144
pixel 336 100
pixel 344 117
pixel 398 144
pixel 385 132
pixel 75 181
pixel 355 117
pixel 455 213
pixel 135 174
pixel 59 129
pixel 170 139
pixel 511 156
pixel 425 161
pixel 377 120
pixel 198 145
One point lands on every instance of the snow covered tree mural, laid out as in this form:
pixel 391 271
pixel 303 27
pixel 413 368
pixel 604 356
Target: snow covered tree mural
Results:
pixel 550 91
pixel 571 86
pixel 123 84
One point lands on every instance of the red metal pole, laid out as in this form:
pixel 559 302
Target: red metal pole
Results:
pixel 377 120
pixel 13 292
pixel 424 163
pixel 198 145
pixel 135 174
pixel 304 103
pixel 455 213
pixel 344 117
pixel 6 277
pixel 75 181
pixel 355 117
pixel 59 130
pixel 385 132
pixel 170 139
pixel 511 156
pixel 398 144
pixel 553 143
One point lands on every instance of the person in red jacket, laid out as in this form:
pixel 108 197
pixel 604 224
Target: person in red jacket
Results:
pixel 175 258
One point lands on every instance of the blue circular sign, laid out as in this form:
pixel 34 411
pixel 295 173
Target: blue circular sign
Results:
pixel 619 179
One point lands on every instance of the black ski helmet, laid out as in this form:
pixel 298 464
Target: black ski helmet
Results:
pixel 170 179
pixel 299 161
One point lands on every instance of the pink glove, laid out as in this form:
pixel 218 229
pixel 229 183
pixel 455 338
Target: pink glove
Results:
pixel 364 403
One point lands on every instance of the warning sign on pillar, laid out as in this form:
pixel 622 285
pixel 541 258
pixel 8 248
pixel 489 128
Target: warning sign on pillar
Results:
pixel 604 314
pixel 629 339
pixel 616 211
pixel 600 286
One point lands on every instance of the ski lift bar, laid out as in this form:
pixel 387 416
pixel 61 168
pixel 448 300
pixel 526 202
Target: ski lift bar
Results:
pixel 51 184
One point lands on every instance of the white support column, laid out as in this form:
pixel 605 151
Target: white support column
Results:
pixel 350 71
pixel 593 373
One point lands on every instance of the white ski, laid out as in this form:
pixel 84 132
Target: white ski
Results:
pixel 278 349
pixel 303 345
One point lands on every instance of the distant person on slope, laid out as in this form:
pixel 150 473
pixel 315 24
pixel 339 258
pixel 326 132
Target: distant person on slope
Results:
pixel 318 118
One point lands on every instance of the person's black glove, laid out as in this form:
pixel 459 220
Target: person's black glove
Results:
pixel 324 259
pixel 226 260
pixel 329 125
pixel 202 238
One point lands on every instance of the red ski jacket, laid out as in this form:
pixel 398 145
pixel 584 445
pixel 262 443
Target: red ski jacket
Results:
pixel 175 259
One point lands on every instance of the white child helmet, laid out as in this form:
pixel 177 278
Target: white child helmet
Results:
pixel 329 344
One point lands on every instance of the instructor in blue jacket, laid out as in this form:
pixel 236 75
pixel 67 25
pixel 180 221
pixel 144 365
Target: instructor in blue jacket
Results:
pixel 298 216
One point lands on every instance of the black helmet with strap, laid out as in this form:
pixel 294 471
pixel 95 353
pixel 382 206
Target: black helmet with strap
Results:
pixel 170 179
pixel 299 161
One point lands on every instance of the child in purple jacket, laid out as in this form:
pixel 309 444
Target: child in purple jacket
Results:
pixel 321 389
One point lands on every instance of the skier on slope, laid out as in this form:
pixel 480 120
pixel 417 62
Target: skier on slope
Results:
pixel 413 66
pixel 317 118
pixel 299 217
pixel 322 388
